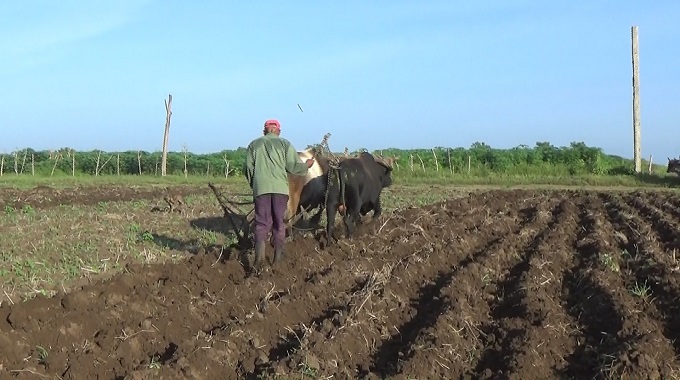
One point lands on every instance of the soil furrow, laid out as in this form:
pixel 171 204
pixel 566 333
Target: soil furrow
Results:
pixel 673 199
pixel 361 259
pixel 399 354
pixel 385 309
pixel 507 329
pixel 650 326
pixel 664 227
pixel 588 297
pixel 648 227
pixel 663 203
pixel 546 327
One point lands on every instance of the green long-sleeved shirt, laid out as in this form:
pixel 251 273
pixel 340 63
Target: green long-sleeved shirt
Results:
pixel 269 159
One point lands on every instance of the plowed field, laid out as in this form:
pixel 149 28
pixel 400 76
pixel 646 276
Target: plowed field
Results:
pixel 500 284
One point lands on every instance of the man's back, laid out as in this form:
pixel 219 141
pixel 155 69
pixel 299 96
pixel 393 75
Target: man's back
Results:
pixel 268 162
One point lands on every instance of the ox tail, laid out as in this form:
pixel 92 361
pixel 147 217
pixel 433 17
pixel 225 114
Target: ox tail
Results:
pixel 338 172
pixel 342 206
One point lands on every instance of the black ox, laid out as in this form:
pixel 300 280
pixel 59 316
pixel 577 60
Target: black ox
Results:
pixel 354 189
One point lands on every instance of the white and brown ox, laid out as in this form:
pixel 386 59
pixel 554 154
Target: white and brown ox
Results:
pixel 309 191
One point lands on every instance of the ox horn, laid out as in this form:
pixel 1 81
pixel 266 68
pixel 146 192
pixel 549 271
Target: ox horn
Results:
pixel 387 161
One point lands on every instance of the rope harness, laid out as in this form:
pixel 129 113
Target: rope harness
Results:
pixel 334 171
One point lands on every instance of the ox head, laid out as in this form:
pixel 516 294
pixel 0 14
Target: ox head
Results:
pixel 673 165
pixel 385 164
pixel 319 166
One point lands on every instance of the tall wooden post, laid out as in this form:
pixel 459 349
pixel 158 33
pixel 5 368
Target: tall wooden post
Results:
pixel 168 114
pixel 637 151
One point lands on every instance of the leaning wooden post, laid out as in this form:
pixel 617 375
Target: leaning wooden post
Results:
pixel 56 161
pixel 422 164
pixel 96 169
pixel 73 163
pixel 139 161
pixel 226 167
pixel 23 161
pixel 448 152
pixel 436 161
pixel 2 165
pixel 650 164
pixel 33 164
pixel 168 114
pixel 637 151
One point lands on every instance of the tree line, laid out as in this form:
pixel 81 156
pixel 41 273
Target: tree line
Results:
pixel 478 159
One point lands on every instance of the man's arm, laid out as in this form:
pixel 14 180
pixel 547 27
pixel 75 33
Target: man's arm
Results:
pixel 249 166
pixel 293 164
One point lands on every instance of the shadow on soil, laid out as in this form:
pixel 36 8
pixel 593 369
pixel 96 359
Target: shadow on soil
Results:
pixel 222 253
pixel 218 224
pixel 429 306
pixel 169 242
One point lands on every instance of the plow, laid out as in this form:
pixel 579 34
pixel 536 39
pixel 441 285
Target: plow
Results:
pixel 240 220
pixel 241 215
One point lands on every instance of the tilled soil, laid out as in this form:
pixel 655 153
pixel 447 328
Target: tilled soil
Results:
pixel 501 284
pixel 41 197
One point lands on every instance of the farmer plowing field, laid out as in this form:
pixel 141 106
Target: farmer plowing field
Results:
pixel 269 159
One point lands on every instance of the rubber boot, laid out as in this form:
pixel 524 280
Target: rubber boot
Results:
pixel 259 254
pixel 278 255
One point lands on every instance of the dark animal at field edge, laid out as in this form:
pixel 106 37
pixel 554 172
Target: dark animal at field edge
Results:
pixel 673 165
pixel 355 189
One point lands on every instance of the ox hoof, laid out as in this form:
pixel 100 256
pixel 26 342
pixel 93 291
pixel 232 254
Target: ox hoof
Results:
pixel 327 242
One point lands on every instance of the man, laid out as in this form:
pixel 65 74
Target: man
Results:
pixel 269 159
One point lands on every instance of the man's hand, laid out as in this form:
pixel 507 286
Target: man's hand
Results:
pixel 309 163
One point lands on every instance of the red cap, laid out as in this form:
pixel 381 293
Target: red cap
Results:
pixel 273 122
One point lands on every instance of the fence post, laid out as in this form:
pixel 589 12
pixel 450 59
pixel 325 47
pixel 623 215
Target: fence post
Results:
pixel 636 100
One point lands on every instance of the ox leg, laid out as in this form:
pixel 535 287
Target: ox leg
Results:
pixel 351 222
pixel 377 208
pixel 353 210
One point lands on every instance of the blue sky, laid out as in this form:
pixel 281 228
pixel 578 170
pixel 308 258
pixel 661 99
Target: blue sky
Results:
pixel 94 74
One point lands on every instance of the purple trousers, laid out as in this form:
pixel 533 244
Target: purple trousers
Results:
pixel 270 209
